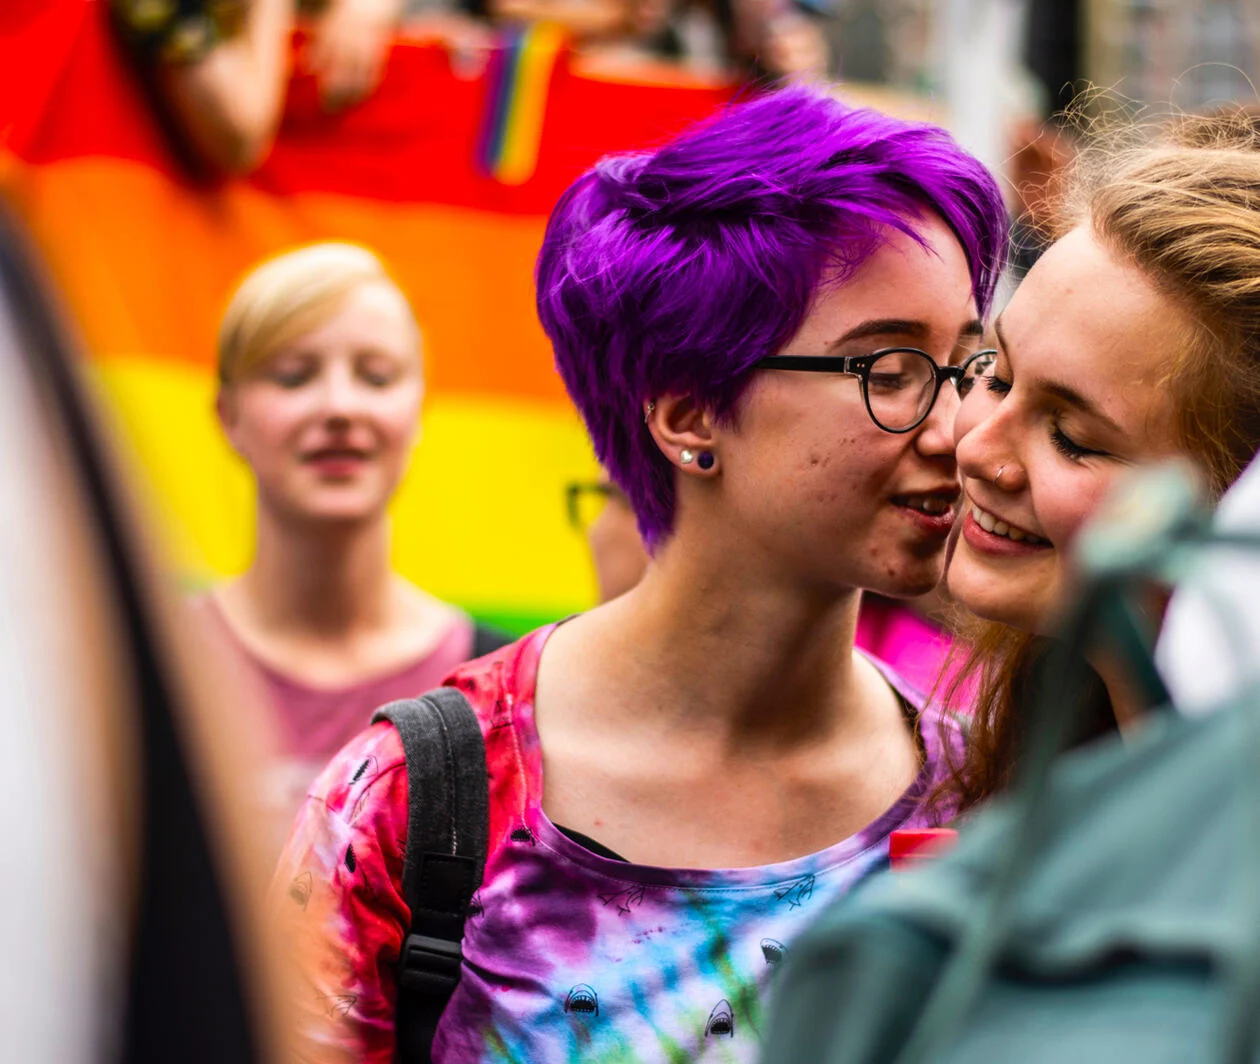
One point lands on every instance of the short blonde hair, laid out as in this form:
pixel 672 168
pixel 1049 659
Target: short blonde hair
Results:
pixel 289 295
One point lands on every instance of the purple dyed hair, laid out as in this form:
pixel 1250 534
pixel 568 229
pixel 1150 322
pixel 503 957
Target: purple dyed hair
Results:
pixel 673 271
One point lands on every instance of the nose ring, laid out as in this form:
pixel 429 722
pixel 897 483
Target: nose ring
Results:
pixel 997 477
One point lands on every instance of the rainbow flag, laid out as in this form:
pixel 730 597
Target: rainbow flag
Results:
pixel 448 172
pixel 518 84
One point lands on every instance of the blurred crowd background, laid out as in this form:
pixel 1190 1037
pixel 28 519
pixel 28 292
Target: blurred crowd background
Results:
pixel 151 172
pixel 153 151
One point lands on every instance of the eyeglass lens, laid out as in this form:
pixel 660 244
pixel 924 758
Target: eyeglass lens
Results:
pixel 900 388
pixel 902 385
pixel 975 369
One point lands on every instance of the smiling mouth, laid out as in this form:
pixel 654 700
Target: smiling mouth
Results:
pixel 997 527
pixel 337 454
pixel 931 505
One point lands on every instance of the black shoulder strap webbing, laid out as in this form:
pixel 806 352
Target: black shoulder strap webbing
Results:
pixel 445 855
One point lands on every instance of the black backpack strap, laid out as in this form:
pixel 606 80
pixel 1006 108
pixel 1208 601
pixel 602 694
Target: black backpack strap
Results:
pixel 448 809
pixel 487 638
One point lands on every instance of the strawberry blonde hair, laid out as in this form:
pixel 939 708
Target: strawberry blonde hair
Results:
pixel 1186 212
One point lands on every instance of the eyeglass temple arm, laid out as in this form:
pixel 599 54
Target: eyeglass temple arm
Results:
pixel 842 364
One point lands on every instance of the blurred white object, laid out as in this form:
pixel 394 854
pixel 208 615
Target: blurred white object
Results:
pixel 1210 643
pixel 977 44
pixel 62 918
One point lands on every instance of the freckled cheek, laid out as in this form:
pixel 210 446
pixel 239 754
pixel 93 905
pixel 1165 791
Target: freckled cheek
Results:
pixel 848 470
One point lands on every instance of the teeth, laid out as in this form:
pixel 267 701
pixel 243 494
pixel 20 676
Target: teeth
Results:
pixel 1000 528
pixel 932 505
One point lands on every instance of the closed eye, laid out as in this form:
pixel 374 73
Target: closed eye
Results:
pixel 1070 449
pixel 888 382
pixel 996 385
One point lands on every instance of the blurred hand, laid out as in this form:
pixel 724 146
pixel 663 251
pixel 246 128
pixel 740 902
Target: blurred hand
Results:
pixel 349 44
pixel 585 20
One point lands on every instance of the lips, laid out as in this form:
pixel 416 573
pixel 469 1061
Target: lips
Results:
pixel 932 504
pixel 337 463
pixel 335 454
pixel 994 525
pixel 988 534
pixel 932 512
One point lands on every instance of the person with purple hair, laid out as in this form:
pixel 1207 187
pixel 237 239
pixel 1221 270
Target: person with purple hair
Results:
pixel 765 324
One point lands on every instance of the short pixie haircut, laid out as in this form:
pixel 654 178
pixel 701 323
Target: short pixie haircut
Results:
pixel 674 271
pixel 288 296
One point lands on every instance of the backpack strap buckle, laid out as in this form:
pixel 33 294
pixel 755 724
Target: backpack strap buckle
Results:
pixel 430 965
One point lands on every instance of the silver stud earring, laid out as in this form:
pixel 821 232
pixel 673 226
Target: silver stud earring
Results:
pixel 686 457
pixel 647 413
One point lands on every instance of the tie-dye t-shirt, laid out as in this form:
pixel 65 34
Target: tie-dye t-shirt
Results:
pixel 568 956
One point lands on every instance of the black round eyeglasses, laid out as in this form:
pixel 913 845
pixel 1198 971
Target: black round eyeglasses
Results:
pixel 900 385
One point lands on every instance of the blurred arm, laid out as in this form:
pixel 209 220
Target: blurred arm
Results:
pixel 228 101
pixel 350 42
pixel 337 900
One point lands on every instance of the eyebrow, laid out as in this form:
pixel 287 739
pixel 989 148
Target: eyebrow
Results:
pixel 901 327
pixel 1065 392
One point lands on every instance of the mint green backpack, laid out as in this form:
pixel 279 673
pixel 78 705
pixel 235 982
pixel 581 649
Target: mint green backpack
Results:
pixel 1107 911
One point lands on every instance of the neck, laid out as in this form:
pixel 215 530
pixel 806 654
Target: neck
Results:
pixel 715 646
pixel 319 577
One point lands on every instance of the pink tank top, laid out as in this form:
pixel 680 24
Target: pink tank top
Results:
pixel 310 724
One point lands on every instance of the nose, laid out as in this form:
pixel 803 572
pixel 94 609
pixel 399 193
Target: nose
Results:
pixel 935 437
pixel 339 398
pixel 986 450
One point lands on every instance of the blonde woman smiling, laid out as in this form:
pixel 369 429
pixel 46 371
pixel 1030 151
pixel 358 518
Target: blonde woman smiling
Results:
pixel 320 386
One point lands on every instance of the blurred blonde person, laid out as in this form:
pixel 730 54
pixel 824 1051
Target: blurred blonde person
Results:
pixel 602 513
pixel 320 387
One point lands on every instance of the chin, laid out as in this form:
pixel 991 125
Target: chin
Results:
pixel 992 601
pixel 912 583
pixel 344 515
pixel 906 590
pixel 339 512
